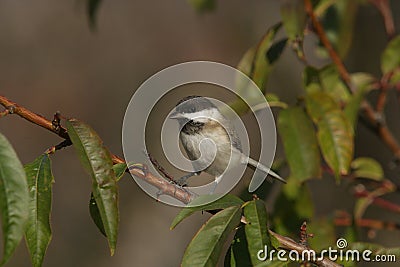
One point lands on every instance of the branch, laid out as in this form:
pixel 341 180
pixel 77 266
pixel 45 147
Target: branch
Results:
pixel 165 187
pixel 290 244
pixel 375 118
pixel 140 171
pixel 14 108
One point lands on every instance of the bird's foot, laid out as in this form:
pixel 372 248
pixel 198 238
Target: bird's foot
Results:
pixel 183 180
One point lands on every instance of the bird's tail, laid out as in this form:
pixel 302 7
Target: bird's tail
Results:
pixel 265 169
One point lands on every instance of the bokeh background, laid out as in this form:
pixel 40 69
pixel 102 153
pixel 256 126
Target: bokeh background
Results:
pixel 50 60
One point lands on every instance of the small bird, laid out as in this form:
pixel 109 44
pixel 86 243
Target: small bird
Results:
pixel 200 119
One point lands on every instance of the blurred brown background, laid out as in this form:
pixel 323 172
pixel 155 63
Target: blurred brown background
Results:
pixel 50 60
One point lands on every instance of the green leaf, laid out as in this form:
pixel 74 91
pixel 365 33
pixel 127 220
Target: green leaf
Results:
pixel 119 170
pixel 363 83
pixel 335 134
pixel 95 215
pixel 238 254
pixel 367 168
pixel 300 143
pixel 390 59
pixel 294 17
pixel 273 101
pixel 338 22
pixel 13 199
pixel 257 234
pixel 203 5
pixel 206 246
pixel 276 50
pixel 327 79
pixel 96 159
pixel 38 231
pixel 254 62
pixel 92 9
pixel 222 203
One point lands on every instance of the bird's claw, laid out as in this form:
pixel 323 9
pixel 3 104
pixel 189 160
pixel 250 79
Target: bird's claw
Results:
pixel 182 182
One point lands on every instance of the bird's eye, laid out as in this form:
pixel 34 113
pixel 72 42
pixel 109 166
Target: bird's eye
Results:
pixel 192 110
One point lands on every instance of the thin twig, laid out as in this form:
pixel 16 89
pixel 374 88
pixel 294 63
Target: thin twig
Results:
pixel 366 223
pixel 361 192
pixel 32 117
pixel 290 244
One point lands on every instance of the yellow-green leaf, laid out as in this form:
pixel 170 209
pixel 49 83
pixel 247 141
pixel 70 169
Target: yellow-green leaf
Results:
pixel 363 83
pixel 367 168
pixel 390 59
pixel 294 18
pixel 335 134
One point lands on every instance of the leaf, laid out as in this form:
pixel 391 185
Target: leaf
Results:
pixel 327 79
pixel 222 203
pixel 38 232
pixel 294 18
pixel 367 168
pixel 95 215
pixel 335 134
pixel 300 144
pixel 206 246
pixel 273 101
pixel 275 51
pixel 336 141
pixel 92 8
pixel 390 59
pixel 203 5
pixel 254 62
pixel 13 199
pixel 363 83
pixel 257 234
pixel 119 170
pixel 238 254
pixel 338 22
pixel 96 160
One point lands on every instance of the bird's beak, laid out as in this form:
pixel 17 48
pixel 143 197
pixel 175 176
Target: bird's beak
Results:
pixel 175 115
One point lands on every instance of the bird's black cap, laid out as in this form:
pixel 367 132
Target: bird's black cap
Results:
pixel 196 104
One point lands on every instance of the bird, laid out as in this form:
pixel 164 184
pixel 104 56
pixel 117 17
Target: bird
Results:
pixel 200 119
